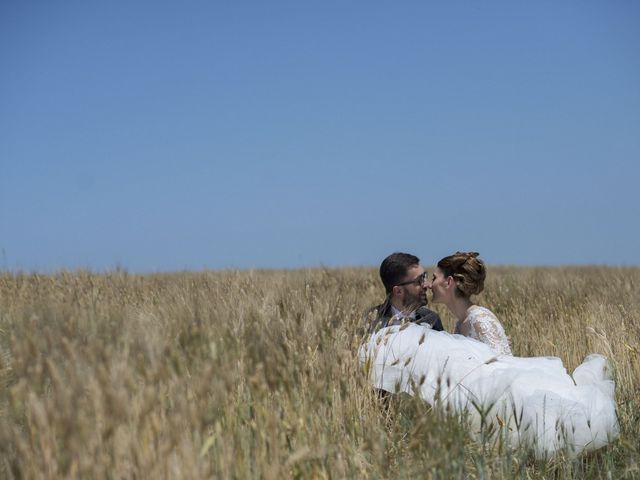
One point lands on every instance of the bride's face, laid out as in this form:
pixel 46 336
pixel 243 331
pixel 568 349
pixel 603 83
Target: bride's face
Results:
pixel 438 286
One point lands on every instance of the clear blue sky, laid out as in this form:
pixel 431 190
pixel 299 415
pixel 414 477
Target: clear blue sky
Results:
pixel 167 135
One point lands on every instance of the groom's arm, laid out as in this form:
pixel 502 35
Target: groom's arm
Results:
pixel 424 315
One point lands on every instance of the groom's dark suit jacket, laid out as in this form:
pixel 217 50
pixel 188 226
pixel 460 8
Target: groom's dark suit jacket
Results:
pixel 380 315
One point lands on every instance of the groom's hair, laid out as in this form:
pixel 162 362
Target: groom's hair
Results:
pixel 394 268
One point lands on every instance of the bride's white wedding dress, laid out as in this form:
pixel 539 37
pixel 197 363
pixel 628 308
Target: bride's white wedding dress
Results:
pixel 531 401
pixel 482 325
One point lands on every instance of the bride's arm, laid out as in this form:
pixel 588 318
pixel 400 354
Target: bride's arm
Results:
pixel 485 327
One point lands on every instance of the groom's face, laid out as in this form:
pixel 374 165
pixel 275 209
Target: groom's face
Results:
pixel 415 288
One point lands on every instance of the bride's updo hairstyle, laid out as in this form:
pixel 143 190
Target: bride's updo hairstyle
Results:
pixel 467 270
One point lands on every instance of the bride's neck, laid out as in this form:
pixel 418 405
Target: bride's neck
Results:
pixel 459 307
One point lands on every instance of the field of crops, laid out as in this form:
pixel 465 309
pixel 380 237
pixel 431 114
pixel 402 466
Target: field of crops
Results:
pixel 254 374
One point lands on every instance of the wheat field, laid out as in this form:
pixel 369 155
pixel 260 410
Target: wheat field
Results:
pixel 254 374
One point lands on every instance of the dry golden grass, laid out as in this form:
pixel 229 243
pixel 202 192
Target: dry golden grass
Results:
pixel 254 375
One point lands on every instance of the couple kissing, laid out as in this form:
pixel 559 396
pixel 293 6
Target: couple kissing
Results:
pixel 527 402
pixel 456 278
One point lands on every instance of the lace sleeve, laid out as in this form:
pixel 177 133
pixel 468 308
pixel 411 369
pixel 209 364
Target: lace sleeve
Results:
pixel 465 328
pixel 483 325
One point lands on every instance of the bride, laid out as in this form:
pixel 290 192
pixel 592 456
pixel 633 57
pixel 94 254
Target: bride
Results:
pixel 456 278
pixel 532 402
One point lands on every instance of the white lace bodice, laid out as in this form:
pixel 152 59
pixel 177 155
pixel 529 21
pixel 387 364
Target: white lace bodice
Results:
pixel 481 324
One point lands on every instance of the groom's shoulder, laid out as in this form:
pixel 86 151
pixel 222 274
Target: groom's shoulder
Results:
pixel 374 317
pixel 375 312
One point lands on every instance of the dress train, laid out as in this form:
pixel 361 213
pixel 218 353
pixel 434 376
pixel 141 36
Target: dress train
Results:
pixel 532 401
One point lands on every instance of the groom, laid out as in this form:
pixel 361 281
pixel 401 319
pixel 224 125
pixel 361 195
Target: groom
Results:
pixel 405 282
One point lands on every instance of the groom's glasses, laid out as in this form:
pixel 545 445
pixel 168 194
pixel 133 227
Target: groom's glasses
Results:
pixel 419 280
